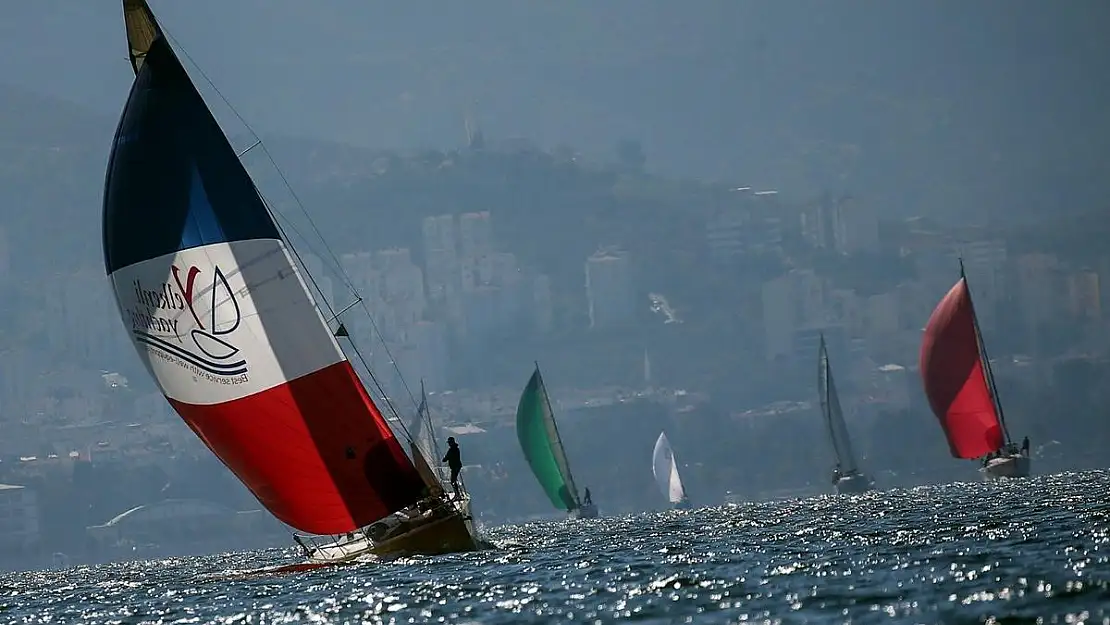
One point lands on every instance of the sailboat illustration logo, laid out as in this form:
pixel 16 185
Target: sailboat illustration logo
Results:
pixel 212 311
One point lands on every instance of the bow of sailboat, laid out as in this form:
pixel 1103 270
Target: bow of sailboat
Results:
pixel 222 317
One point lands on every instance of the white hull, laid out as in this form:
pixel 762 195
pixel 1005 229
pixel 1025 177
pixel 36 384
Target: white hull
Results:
pixel 587 511
pixel 854 484
pixel 1011 466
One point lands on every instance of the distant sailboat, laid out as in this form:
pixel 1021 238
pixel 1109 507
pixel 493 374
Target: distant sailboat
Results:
pixel 665 470
pixel 222 318
pixel 959 384
pixel 847 476
pixel 543 449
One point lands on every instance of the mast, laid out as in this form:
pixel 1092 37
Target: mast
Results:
pixel 984 359
pixel 826 407
pixel 558 437
pixel 428 426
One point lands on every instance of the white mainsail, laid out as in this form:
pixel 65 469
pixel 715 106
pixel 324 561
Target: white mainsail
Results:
pixel 666 471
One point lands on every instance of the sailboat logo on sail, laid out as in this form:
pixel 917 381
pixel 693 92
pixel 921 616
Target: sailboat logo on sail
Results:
pixel 163 317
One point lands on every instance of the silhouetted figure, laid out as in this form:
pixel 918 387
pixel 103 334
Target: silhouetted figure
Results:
pixel 1025 446
pixel 588 500
pixel 454 462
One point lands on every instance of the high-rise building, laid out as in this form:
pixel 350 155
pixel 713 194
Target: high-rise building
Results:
pixel 747 223
pixel 475 235
pixel 367 281
pixel 439 233
pixel 857 226
pixel 1084 296
pixel 842 224
pixel 609 289
pixel 359 267
pixel 726 233
pixel 482 312
pixel 429 340
pixel 318 281
pixel 441 260
pixel 19 518
pixel 798 299
pixel 498 269
pixel 1037 282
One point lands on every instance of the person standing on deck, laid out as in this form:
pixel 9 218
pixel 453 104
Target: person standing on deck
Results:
pixel 454 462
pixel 588 499
pixel 1025 446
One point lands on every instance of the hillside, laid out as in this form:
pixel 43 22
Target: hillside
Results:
pixel 52 156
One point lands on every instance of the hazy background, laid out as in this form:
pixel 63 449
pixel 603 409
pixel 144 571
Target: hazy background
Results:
pixel 620 124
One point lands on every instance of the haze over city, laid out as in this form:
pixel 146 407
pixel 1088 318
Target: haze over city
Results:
pixel 664 204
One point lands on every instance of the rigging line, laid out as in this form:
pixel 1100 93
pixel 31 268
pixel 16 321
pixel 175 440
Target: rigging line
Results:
pixel 296 198
pixel 383 394
pixel 296 254
pixel 256 143
pixel 275 214
pixel 285 181
pixel 359 301
pixel 377 385
pixel 354 347
pixel 392 360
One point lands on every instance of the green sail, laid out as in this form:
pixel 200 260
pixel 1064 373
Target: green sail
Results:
pixel 539 438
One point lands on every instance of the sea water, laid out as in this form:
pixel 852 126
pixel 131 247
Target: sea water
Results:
pixel 1032 550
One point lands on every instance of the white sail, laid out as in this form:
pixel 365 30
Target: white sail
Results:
pixel 666 471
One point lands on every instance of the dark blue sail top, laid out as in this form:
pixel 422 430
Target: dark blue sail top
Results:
pixel 173 181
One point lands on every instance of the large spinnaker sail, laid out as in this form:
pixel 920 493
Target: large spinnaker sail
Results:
pixel 954 379
pixel 223 321
pixel 543 449
pixel 834 416
pixel 665 470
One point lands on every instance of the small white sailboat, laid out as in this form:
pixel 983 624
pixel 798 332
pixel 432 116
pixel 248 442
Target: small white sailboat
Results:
pixel 665 469
pixel 846 477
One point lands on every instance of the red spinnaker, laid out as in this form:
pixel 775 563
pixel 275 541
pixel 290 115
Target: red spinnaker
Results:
pixel 955 383
pixel 315 451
